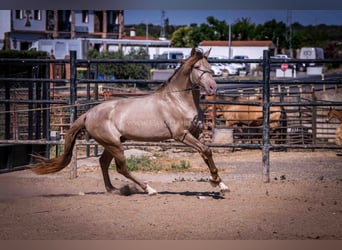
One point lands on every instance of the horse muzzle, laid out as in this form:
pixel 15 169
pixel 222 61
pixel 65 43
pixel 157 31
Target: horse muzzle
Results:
pixel 211 88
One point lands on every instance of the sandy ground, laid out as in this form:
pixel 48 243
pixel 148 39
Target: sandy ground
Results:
pixel 303 200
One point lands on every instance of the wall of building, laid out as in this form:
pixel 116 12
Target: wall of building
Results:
pixel 88 25
pixel 5 25
pixel 22 22
pixel 253 52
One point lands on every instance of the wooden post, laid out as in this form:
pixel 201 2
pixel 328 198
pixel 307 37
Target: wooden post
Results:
pixel 104 29
pixel 73 163
pixel 55 27
pixel 73 25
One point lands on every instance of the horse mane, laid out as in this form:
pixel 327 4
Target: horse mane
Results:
pixel 186 64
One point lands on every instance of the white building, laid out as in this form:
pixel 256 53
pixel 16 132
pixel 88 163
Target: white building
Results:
pixel 252 49
pixel 22 27
pixel 5 25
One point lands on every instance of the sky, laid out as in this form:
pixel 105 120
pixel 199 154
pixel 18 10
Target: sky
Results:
pixel 186 17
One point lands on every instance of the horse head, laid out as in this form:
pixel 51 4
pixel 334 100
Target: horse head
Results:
pixel 200 71
pixel 330 115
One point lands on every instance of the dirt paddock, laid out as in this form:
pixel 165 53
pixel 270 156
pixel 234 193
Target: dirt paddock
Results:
pixel 302 201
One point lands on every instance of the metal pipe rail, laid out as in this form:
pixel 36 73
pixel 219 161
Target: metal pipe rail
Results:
pixel 266 83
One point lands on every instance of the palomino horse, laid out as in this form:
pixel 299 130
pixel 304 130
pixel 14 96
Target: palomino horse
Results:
pixel 333 113
pixel 172 112
pixel 248 115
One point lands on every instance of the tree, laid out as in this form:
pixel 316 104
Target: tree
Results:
pixel 243 29
pixel 201 33
pixel 220 28
pixel 273 30
pixel 182 38
pixel 190 36
pixel 122 70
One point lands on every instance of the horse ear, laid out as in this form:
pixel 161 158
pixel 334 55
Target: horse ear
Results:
pixel 193 51
pixel 206 54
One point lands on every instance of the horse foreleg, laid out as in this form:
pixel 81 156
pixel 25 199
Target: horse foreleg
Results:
pixel 105 161
pixel 206 154
pixel 121 167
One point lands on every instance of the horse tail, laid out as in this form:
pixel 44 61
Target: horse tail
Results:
pixel 47 166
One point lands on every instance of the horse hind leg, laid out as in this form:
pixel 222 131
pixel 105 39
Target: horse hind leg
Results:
pixel 121 166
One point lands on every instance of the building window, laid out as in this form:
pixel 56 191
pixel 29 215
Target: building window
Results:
pixel 113 17
pixel 85 16
pixel 19 14
pixel 37 15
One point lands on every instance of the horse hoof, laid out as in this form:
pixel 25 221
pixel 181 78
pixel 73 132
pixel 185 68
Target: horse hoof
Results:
pixel 223 188
pixel 110 189
pixel 213 183
pixel 151 191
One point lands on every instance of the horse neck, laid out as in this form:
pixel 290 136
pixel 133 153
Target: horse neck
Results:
pixel 179 91
pixel 179 82
pixel 178 87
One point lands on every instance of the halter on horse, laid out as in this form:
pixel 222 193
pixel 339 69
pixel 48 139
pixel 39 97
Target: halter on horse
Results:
pixel 170 113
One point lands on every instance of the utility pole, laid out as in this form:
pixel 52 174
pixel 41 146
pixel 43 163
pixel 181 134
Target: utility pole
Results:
pixel 230 41
pixel 289 30
pixel 162 31
pixel 146 29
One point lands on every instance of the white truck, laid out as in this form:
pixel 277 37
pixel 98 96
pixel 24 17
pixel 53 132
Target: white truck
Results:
pixel 61 47
pixel 310 53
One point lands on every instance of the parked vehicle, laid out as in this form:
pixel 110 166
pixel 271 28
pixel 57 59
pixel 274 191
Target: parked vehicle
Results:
pixel 170 55
pixel 231 69
pixel 61 47
pixel 217 69
pixel 241 66
pixel 223 67
pixel 310 53
pixel 277 65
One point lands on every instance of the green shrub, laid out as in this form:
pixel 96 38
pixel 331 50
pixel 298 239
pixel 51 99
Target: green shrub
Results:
pixel 142 163
pixel 183 165
pixel 22 54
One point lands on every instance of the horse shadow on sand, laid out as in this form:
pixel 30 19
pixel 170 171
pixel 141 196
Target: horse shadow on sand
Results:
pixel 128 190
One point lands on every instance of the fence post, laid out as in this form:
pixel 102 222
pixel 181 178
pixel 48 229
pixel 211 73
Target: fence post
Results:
pixel 266 117
pixel 314 119
pixel 73 109
pixel 46 112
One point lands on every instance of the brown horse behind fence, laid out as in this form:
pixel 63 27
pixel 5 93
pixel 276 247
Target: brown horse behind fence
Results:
pixel 250 115
pixel 172 112
pixel 333 113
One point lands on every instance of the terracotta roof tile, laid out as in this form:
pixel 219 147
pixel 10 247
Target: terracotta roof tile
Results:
pixel 139 38
pixel 267 43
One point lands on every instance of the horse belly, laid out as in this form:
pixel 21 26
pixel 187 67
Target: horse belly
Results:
pixel 145 130
pixel 141 121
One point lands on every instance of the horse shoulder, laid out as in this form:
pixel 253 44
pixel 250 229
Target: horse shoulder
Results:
pixel 339 135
